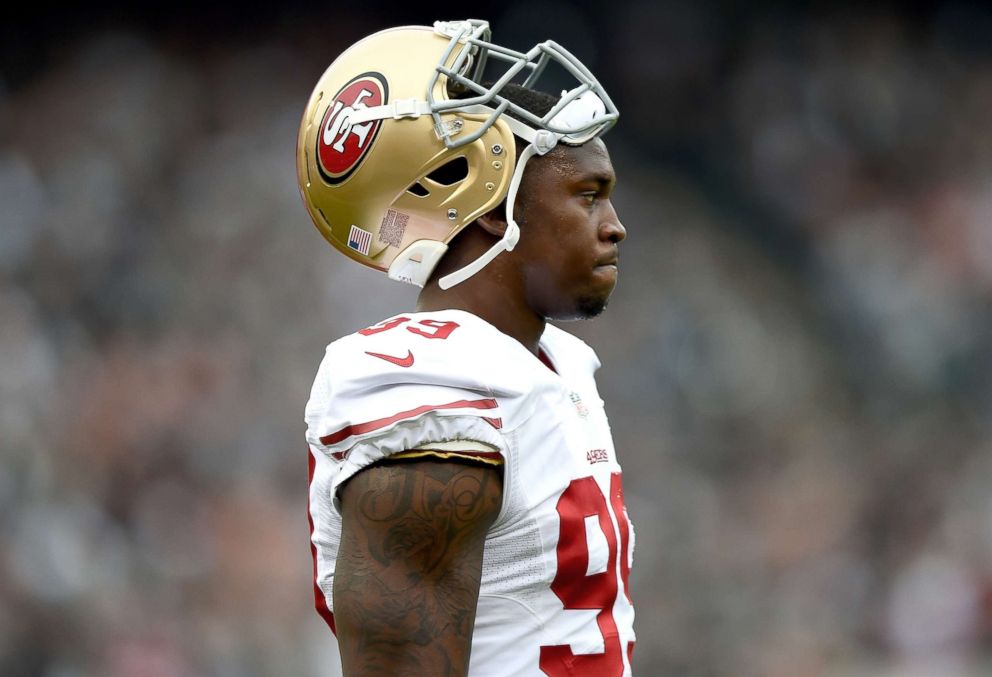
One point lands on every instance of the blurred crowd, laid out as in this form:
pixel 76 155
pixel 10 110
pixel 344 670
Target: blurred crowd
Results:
pixel 797 361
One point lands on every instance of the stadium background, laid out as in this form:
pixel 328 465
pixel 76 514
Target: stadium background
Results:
pixel 797 360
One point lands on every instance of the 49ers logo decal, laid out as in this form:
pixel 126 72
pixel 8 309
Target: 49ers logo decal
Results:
pixel 341 146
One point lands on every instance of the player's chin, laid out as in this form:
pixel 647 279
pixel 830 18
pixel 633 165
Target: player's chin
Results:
pixel 585 299
pixel 593 302
pixel 597 296
pixel 582 306
pixel 589 307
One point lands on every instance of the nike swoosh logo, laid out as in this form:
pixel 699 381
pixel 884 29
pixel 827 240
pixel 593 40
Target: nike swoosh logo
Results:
pixel 398 361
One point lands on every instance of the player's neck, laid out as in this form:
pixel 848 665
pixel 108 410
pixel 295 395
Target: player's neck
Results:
pixel 488 300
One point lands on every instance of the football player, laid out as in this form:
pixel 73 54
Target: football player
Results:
pixel 466 508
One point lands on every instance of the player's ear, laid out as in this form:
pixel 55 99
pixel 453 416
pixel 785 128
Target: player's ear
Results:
pixel 494 221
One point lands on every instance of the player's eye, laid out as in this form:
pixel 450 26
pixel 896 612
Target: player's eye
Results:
pixel 589 197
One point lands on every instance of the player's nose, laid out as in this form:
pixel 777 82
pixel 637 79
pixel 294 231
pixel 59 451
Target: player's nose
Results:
pixel 611 229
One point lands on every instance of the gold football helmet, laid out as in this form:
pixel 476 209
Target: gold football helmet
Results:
pixel 401 145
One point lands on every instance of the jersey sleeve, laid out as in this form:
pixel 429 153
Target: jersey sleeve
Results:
pixel 364 408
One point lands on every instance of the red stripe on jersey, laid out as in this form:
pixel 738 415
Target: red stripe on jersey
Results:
pixel 544 357
pixel 362 428
pixel 319 601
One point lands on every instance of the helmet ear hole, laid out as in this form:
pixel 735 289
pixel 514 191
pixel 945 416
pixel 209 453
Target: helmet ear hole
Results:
pixel 450 172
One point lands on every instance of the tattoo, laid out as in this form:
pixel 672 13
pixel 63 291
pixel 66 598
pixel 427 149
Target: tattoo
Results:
pixel 406 583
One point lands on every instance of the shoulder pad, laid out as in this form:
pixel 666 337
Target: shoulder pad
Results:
pixel 414 367
pixel 448 348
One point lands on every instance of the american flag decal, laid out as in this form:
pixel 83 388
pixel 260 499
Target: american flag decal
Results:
pixel 360 240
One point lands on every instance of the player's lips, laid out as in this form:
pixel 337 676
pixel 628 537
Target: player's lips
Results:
pixel 611 259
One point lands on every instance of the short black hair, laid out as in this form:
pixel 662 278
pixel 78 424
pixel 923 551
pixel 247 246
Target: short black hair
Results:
pixel 531 100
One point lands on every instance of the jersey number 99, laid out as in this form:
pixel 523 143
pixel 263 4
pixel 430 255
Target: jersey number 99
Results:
pixel 579 590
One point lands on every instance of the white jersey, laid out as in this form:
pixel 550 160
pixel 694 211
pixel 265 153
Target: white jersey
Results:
pixel 554 596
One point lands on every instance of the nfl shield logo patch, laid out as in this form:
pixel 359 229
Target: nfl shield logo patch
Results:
pixel 580 406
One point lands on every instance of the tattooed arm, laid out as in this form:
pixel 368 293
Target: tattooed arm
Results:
pixel 406 583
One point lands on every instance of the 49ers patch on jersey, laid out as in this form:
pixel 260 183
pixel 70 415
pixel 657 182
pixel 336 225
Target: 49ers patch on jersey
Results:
pixel 341 146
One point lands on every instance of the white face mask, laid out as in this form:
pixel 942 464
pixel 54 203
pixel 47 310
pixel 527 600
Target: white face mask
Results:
pixel 590 111
pixel 582 113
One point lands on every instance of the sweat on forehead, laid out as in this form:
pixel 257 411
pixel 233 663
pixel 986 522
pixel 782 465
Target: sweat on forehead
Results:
pixel 560 160
pixel 564 159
